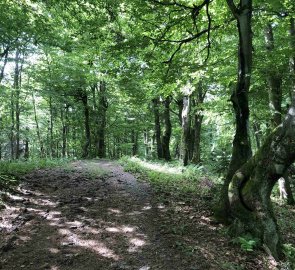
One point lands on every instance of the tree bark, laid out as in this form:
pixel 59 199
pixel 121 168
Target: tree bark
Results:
pixel 134 141
pixel 42 152
pixel 157 127
pixel 252 184
pixel 51 143
pixel 241 150
pixel 186 129
pixel 167 130
pixel 198 118
pixel 64 121
pixel 102 109
pixel 5 56
pixel 17 86
pixel 86 146
pixel 274 78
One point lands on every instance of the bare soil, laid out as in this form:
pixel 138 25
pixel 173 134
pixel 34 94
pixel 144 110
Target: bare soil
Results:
pixel 92 215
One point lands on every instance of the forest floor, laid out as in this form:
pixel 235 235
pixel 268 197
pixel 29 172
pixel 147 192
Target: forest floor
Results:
pixel 92 215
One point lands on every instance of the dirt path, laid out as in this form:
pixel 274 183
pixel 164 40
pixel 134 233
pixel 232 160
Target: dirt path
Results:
pixel 90 216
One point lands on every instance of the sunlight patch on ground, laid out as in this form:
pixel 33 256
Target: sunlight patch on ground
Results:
pixel 92 245
pixel 122 229
pixel 144 268
pixel 135 244
pixel 147 207
pixel 54 250
pixel 163 168
pixel 115 211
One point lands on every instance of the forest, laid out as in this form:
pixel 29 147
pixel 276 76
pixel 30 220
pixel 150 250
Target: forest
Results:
pixel 165 126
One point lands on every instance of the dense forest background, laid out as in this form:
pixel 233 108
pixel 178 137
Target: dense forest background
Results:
pixel 209 83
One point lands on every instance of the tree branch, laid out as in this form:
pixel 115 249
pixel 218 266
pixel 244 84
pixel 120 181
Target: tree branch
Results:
pixel 232 7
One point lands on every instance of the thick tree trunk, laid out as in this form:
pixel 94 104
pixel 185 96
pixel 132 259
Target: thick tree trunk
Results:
pixel 274 78
pixel 157 127
pixel 102 110
pixel 241 150
pixel 186 130
pixel 167 130
pixel 198 118
pixel 252 184
pixel 86 146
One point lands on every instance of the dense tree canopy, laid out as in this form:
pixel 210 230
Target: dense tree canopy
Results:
pixel 207 82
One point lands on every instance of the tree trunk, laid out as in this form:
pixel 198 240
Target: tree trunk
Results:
pixel 292 59
pixel 5 56
pixel 186 129
pixel 198 118
pixel 42 152
pixel 102 109
pixel 252 184
pixel 167 130
pixel 257 131
pixel 17 86
pixel 157 128
pixel 86 146
pixel 241 150
pixel 64 121
pixel 274 78
pixel 134 141
pixel 51 143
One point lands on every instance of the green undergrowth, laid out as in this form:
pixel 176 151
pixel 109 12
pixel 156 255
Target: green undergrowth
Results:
pixel 11 171
pixel 172 177
pixel 18 168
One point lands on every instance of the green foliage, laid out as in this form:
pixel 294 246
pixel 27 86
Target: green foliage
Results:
pixel 173 178
pixel 247 242
pixel 18 168
pixel 289 251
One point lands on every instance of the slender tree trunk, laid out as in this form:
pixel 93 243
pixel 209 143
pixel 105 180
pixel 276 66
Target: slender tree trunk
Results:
pixel 51 126
pixel 167 130
pixel 157 128
pixel 5 56
pixel 257 131
pixel 292 58
pixel 17 86
pixel 146 143
pixel 274 78
pixel 134 141
pixel 64 121
pixel 186 129
pixel 42 152
pixel 27 151
pixel 241 150
pixel 87 144
pixel 102 108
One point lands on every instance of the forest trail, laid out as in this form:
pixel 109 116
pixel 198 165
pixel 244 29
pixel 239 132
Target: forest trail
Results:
pixel 92 215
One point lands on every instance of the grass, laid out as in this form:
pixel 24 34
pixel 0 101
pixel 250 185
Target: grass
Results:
pixel 18 168
pixel 172 178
